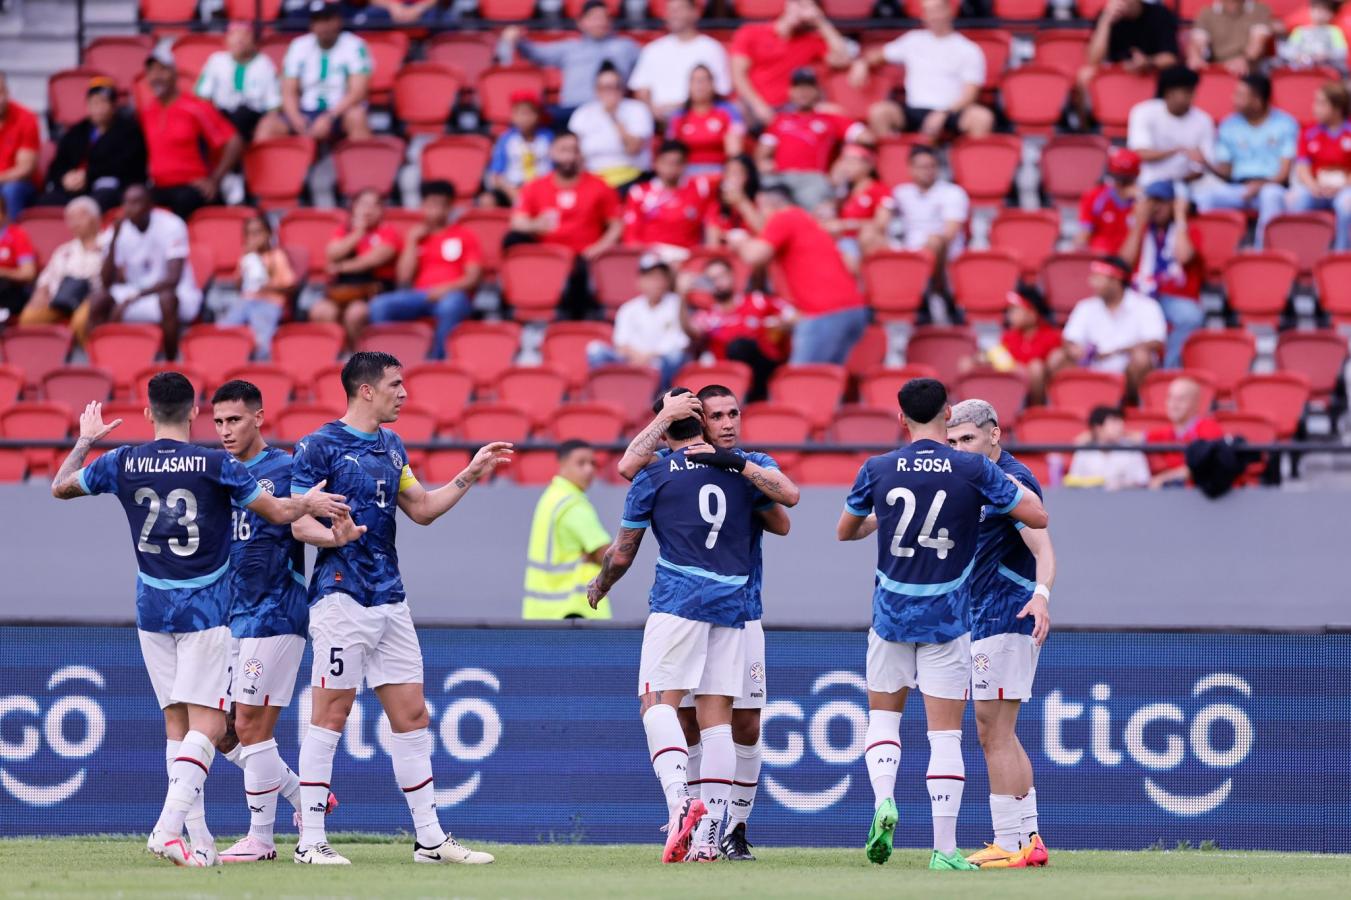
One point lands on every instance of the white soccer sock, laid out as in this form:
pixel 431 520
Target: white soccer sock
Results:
pixel 692 769
pixel 670 757
pixel 744 783
pixel 411 754
pixel 718 770
pixel 290 786
pixel 316 771
pixel 1027 810
pixel 236 755
pixel 1006 814
pixel 262 779
pixel 198 832
pixel 946 779
pixel 187 775
pixel 883 753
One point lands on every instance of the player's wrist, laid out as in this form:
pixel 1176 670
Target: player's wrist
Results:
pixel 1042 591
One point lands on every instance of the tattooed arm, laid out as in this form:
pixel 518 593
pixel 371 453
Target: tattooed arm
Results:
pixel 644 447
pixel 773 484
pixel 66 484
pixel 616 562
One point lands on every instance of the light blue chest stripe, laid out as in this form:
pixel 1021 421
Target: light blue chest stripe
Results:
pixel 704 573
pixel 1016 578
pixel 924 590
pixel 1016 499
pixel 300 579
pixel 167 584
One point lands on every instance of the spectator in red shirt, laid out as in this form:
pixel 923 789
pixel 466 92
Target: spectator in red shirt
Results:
pixel 19 144
pixel 708 125
pixel 733 213
pixel 1189 422
pixel 361 256
pixel 1105 210
pixel 175 126
pixel 1165 251
pixel 860 224
pixel 765 55
pixel 667 211
pixel 18 264
pixel 802 141
pixel 1026 344
pixel 750 327
pixel 440 266
pixel 831 309
pixel 1322 177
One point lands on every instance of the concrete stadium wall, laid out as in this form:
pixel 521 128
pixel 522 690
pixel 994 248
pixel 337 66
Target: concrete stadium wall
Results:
pixel 1256 559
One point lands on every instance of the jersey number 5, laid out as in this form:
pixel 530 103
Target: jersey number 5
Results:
pixel 926 539
pixel 188 520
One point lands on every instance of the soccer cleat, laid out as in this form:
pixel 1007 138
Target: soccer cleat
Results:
pixel 881 833
pixel 1033 855
pixel 993 856
pixel 953 861
pixel 448 852
pixel 320 854
pixel 735 846
pixel 249 849
pixel 205 855
pixel 677 848
pixel 299 821
pixel 703 853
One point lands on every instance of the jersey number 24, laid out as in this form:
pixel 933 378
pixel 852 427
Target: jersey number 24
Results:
pixel 941 543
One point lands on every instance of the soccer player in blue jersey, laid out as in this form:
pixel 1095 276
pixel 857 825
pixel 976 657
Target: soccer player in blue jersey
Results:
pixel 360 625
pixel 925 502
pixel 1010 618
pixel 722 429
pixel 704 514
pixel 178 499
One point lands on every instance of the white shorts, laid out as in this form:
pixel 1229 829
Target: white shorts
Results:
pixel 938 670
pixel 147 309
pixel 265 669
pixel 189 667
pixel 685 655
pixel 352 641
pixel 1003 666
pixel 754 680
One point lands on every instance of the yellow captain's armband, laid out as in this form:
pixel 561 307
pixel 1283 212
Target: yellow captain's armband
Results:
pixel 406 478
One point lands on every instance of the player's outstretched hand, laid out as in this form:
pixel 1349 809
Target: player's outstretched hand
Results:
pixel 91 423
pixel 489 457
pixel 345 531
pixel 322 505
pixel 720 458
pixel 594 594
pixel 1040 611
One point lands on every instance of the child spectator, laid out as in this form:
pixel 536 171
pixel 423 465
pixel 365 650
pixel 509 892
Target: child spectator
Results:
pixel 1026 344
pixel 265 282
pixel 522 152
pixel 1320 43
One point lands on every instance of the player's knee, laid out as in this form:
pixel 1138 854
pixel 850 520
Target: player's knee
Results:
pixel 746 727
pixel 251 726
pixel 412 720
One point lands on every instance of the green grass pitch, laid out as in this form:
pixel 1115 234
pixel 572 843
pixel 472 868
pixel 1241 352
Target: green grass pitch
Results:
pixel 119 867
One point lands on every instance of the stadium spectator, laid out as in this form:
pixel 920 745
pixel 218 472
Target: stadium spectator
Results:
pixel 831 312
pixel 1138 36
pixel 19 144
pixel 661 77
pixel 1254 150
pixel 648 328
pixel 567 542
pixel 1320 42
pixel 99 155
pixel 1105 210
pixel 944 72
pixel 1111 470
pixel 733 211
pixel 18 264
pixel 766 54
pixel 1323 162
pixel 1165 250
pixel 409 12
pixel 866 206
pixel 243 84
pixel 1187 422
pixel 266 280
pixel 1230 33
pixel 707 124
pixel 615 131
pixel 72 274
pixel 326 77
pixel 751 327
pixel 666 212
pixel 802 140
pixel 932 213
pixel 521 153
pixel 1026 344
pixel 361 257
pixel 177 127
pixel 579 58
pixel 1117 329
pixel 440 265
pixel 1171 134
pixel 146 274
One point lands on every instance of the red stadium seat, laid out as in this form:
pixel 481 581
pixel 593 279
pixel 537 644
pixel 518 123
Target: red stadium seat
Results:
pixel 123 349
pixel 1332 278
pixel 816 388
pixel 1253 427
pixel 222 229
pixel 1064 280
pixel 759 9
pixel 865 425
pixel 1319 356
pixel 869 353
pixel 1293 90
pixel 485 422
pixel 216 348
pixel 941 347
pixel 75 386
pixel 893 157
pixel 411 342
pixel 827 468
pixel 496 86
pixel 1258 283
pixel 565 345
pixel 731 374
pixel 855 101
pixel 424 94
pixel 981 281
pixel 121 56
pixel 767 424
pixel 615 275
pixel 11 385
pixel 1215 92
pixel 303 348
pixel 388 50
pixel 506 10
pixel 1029 234
pixel 326 389
pixel 1079 391
pixel 140 382
pixel 1071 164
pixel 471 53
pixel 895 282
pixel 46 231
pixel 996 44
pixel 310 229
pixel 275 170
pixel 1154 389
pixel 533 276
pixel 460 159
pixel 631 389
pixel 878 388
pixel 168 11
pixel 415 425
pixel 599 423
pixel 1047 426
pixel 1005 391
pixel 985 166
pixel 1113 92
pixel 1280 395
pixel 192 50
pixel 137 429
pixel 487 349
pixel 401 219
pixel 372 163
pixel 441 387
pixel 252 10
pixel 490 226
pixel 37 421
pixel 275 383
pixel 1227 355
pixel 538 390
pixel 1142 421
pixel 66 92
pixel 299 420
pixel 1222 230
pixel 36 349
pixel 1024 10
pixel 1308 236
pixel 274 47
pixel 1034 97
pixel 1061 49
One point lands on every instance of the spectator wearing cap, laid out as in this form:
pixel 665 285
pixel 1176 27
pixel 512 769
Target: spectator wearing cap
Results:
pixel 1322 177
pixel 944 72
pixel 661 77
pixel 1111 470
pixel 751 327
pixel 579 58
pixel 831 312
pixel 18 264
pixel 1171 135
pixel 1230 33
pixel 766 54
pixel 1254 151
pixel 242 83
pixel 648 329
pixel 932 212
pixel 708 125
pixel 615 131
pixel 1165 250
pixel 72 273
pixel 1319 42
pixel 1187 422
pixel 1139 37
pixel 326 79
pixel 19 144
pixel 803 139
pixel 99 155
pixel 666 212
pixel 1105 210
pixel 521 153
pixel 1026 344
pixel 866 206
pixel 176 127
pixel 1116 329
pixel 361 259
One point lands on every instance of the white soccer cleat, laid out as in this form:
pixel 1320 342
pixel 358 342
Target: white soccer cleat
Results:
pixel 320 854
pixel 174 848
pixel 703 853
pixel 451 851
pixel 249 849
pixel 205 855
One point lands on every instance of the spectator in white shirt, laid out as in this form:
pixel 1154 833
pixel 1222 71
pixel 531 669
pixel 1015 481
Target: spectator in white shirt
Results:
pixel 615 132
pixel 648 329
pixel 326 79
pixel 243 84
pixel 932 213
pixel 1117 329
pixel 944 72
pixel 72 273
pixel 1172 136
pixel 1111 470
pixel 661 78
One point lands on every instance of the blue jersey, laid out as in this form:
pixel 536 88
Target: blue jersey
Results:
pixel 369 470
pixel 928 499
pixel 177 498
pixel 1006 571
pixel 704 519
pixel 267 565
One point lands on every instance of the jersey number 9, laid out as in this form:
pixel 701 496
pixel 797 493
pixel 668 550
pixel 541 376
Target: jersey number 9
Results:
pixel 713 517
pixel 188 520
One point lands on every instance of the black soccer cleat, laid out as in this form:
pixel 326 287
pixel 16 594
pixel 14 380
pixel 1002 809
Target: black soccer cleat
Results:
pixel 735 846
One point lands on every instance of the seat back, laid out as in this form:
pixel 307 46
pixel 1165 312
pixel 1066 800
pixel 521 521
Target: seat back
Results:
pixel 565 344
pixel 485 349
pixel 275 170
pixel 1029 235
pixel 1071 165
pixel 816 388
pixel 1319 356
pixel 1226 355
pixel 216 348
pixel 895 281
pixel 533 276
pixel 981 281
pixel 1114 92
pixel 984 167
pixel 942 348
pixel 424 94
pixel 370 163
pixel 731 374
pixel 1257 284
pixel 1279 395
pixel 630 389
pixel 1034 95
pixel 1080 391
pixel 1064 280
pixel 1005 391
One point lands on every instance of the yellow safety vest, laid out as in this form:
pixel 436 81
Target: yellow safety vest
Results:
pixel 564 529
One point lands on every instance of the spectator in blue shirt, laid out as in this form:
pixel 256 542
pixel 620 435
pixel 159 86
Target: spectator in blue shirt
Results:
pixel 1254 150
pixel 521 154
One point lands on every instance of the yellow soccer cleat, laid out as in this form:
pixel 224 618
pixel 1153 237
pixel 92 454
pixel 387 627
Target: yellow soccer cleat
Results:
pixel 991 854
pixel 1033 855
